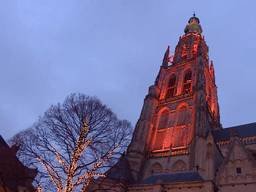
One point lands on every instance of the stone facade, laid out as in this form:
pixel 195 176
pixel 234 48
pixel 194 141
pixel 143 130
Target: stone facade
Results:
pixel 179 143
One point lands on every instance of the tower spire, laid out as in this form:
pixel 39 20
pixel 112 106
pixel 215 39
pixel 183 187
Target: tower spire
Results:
pixel 166 58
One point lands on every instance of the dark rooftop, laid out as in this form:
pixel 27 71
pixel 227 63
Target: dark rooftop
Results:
pixel 176 177
pixel 246 130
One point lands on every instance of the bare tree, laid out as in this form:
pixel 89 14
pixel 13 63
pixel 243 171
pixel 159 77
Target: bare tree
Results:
pixel 73 143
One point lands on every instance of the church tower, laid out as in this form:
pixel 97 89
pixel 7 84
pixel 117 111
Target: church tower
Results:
pixel 179 109
pixel 173 134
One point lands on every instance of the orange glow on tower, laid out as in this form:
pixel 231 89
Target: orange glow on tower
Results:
pixel 187 89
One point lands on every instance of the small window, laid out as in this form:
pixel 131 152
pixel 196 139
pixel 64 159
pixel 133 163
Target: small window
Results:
pixel 179 166
pixel 184 51
pixel 171 88
pixel 163 121
pixel 159 140
pixel 156 168
pixel 183 116
pixel 187 83
pixel 194 49
pixel 238 170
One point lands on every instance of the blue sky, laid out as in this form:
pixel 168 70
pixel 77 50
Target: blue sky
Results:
pixel 112 49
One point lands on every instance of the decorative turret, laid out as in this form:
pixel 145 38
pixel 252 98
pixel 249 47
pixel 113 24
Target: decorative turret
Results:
pixel 191 45
pixel 193 25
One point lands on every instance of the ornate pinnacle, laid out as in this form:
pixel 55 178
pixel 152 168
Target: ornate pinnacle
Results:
pixel 166 58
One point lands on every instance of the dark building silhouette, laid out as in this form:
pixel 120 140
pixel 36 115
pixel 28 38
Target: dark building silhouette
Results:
pixel 14 176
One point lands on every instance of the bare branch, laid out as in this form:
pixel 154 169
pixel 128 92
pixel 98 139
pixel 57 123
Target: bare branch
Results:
pixel 73 143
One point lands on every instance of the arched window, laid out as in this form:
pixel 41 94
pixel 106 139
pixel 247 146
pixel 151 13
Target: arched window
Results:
pixel 179 166
pixel 184 51
pixel 156 168
pixel 162 130
pixel 159 140
pixel 172 119
pixel 163 121
pixel 194 49
pixel 182 126
pixel 184 116
pixel 187 82
pixel 171 88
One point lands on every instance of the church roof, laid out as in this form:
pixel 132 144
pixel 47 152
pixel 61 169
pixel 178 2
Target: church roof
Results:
pixel 170 178
pixel 246 130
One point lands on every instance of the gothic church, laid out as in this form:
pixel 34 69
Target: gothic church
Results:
pixel 179 144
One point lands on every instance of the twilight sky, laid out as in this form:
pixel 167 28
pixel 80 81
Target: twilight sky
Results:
pixel 112 49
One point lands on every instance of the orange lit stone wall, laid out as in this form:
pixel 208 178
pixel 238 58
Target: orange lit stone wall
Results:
pixel 175 116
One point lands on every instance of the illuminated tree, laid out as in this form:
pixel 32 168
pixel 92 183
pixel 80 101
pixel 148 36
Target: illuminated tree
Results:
pixel 73 143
